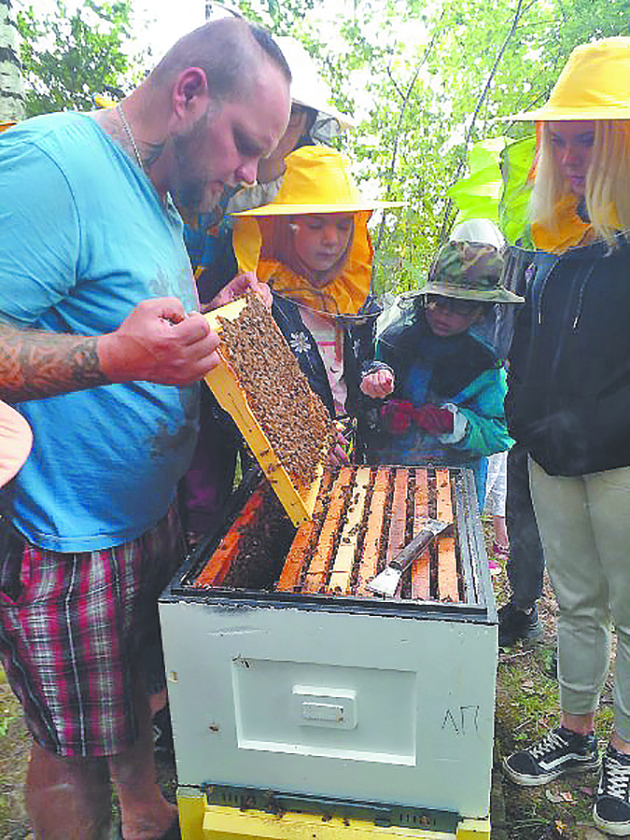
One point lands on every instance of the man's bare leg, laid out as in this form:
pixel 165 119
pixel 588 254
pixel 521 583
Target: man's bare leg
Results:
pixel 158 701
pixel 67 798
pixel 146 815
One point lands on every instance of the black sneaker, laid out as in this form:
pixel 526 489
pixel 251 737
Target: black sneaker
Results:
pixel 515 624
pixel 560 751
pixel 612 806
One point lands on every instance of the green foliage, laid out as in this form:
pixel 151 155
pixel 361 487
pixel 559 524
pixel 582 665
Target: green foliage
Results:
pixel 6 719
pixel 67 58
pixel 279 16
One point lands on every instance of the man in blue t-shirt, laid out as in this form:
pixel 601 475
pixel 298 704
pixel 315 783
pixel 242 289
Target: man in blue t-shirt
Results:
pixel 101 348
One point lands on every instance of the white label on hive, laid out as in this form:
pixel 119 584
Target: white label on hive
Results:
pixel 324 707
pixel 323 712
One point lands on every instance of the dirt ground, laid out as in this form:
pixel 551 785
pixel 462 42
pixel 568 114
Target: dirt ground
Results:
pixel 526 706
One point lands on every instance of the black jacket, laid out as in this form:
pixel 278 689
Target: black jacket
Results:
pixel 569 399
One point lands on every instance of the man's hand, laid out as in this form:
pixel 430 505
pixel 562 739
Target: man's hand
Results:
pixel 237 287
pixel 158 342
pixel 378 385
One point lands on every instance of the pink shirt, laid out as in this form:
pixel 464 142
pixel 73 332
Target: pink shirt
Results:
pixel 329 339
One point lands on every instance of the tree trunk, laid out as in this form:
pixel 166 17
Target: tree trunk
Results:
pixel 11 89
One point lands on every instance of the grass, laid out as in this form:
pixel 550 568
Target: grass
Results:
pixel 14 747
pixel 527 704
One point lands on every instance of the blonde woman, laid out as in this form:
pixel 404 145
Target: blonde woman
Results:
pixel 570 408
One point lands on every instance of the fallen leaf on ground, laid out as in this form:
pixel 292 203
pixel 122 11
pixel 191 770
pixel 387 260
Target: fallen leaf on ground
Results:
pixel 559 796
pixel 557 830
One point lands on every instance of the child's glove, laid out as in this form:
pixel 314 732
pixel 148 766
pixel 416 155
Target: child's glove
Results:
pixel 397 416
pixel 434 420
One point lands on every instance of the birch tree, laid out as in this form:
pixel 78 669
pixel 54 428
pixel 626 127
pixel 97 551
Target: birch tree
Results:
pixel 11 89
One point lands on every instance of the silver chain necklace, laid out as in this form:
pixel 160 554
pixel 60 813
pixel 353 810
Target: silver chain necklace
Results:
pixel 129 133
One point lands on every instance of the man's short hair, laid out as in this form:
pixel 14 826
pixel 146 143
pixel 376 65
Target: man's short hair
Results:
pixel 230 51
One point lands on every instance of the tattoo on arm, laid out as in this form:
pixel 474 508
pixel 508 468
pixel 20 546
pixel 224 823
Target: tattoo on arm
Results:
pixel 37 364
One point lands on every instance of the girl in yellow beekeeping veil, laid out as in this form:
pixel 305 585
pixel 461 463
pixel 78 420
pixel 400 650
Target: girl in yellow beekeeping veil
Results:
pixel 311 244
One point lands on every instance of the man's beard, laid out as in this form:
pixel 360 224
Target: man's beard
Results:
pixel 190 190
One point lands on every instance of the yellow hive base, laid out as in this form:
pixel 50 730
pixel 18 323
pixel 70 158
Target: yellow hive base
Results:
pixel 200 821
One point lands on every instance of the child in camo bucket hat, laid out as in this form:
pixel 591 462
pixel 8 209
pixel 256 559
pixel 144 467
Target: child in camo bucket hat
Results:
pixel 468 271
pixel 438 389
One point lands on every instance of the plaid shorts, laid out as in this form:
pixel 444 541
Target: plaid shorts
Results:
pixel 78 631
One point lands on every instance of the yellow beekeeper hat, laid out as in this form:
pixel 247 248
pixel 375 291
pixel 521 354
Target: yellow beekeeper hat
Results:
pixel 594 85
pixel 317 180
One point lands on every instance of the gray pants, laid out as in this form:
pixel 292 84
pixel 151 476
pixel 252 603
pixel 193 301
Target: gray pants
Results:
pixel 584 524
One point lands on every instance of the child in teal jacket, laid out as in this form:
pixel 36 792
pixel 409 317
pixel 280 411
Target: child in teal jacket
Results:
pixel 445 385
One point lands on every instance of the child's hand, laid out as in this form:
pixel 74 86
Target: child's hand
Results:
pixel 237 287
pixel 378 385
pixel 398 416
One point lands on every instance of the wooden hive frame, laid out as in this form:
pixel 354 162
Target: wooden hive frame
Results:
pixel 362 519
pixel 389 505
pixel 224 384
pixel 218 566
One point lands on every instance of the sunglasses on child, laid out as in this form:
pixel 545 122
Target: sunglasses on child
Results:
pixel 459 307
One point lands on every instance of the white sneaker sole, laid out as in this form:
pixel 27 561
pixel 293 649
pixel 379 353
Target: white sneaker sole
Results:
pixel 619 829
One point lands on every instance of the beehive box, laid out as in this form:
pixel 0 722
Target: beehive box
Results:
pixel 308 685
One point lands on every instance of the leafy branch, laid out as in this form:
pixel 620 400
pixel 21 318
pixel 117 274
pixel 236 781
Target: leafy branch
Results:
pixel 481 99
pixel 401 115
